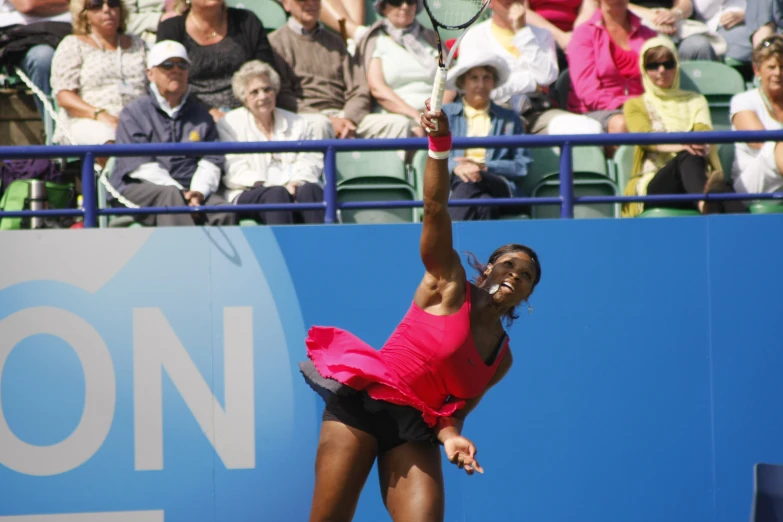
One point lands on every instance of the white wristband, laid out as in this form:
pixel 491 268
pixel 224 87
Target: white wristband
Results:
pixel 439 155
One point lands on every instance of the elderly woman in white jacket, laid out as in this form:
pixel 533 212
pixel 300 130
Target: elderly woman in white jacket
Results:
pixel 269 177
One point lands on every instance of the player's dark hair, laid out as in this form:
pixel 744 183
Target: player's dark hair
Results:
pixel 511 315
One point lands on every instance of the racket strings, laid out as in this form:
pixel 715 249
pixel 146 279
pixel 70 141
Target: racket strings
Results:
pixel 455 13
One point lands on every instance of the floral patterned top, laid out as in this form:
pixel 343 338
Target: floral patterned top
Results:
pixel 102 78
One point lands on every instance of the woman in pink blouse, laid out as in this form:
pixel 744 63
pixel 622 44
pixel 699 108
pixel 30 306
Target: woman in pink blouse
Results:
pixel 603 59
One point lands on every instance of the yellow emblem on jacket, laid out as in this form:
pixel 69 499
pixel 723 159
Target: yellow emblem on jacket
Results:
pixel 194 136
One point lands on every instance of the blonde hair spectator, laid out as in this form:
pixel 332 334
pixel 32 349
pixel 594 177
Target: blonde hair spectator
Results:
pixel 79 16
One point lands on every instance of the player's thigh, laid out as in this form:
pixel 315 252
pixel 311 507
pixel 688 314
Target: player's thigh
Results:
pixel 411 479
pixel 344 459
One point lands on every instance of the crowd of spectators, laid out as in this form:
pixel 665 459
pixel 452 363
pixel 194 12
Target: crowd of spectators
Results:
pixel 167 71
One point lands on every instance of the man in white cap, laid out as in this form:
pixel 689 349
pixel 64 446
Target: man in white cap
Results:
pixel 169 115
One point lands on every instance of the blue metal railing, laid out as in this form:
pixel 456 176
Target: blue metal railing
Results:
pixel 566 200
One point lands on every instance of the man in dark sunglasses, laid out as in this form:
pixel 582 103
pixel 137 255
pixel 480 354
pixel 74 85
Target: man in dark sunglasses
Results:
pixel 169 114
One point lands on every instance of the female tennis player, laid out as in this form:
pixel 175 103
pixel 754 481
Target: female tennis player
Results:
pixel 396 404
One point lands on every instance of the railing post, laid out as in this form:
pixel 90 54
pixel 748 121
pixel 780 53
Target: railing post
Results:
pixel 566 181
pixel 89 200
pixel 330 192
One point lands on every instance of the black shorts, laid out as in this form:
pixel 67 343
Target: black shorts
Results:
pixel 390 424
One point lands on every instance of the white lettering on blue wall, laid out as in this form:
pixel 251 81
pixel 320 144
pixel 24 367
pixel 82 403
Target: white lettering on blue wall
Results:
pixel 99 395
pixel 230 430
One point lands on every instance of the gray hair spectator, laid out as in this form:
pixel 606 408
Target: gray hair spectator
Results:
pixel 269 177
pixel 169 114
pixel 322 82
pixel 96 72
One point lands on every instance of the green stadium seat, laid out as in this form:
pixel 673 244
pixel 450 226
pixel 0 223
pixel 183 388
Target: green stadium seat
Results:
pixel 585 184
pixel 668 212
pixel 376 192
pixel 562 89
pixel 726 154
pixel 766 207
pixel 546 162
pixel 718 82
pixel 371 167
pixel 622 165
pixel 271 13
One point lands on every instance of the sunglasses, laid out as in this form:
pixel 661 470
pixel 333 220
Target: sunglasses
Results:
pixel 398 3
pixel 168 65
pixel 653 66
pixel 93 5
pixel 769 40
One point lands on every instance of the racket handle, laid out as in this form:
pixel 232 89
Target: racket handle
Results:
pixel 436 100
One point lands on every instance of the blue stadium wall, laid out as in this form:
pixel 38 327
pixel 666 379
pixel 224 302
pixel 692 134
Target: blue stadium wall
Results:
pixel 151 375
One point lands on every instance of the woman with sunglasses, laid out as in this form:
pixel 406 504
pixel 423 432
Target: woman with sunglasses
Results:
pixel 400 60
pixel 96 72
pixel 758 167
pixel 671 169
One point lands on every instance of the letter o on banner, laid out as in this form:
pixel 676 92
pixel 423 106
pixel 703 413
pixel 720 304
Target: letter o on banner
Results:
pixel 99 398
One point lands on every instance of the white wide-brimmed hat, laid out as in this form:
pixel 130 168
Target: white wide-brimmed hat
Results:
pixel 477 58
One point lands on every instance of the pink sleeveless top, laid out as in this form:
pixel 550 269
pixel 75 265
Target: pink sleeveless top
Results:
pixel 430 362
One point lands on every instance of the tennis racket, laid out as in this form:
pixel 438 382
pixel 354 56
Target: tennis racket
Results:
pixel 454 15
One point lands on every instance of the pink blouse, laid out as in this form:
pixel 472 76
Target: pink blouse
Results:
pixel 597 83
pixel 561 13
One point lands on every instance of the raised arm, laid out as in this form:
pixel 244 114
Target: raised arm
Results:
pixel 437 250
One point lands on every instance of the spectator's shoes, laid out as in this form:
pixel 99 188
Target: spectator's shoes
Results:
pixel 716 184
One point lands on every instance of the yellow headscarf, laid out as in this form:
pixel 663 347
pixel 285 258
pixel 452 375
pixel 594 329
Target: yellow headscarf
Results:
pixel 677 108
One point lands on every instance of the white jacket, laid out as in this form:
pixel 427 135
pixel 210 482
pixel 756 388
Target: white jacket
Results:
pixel 277 168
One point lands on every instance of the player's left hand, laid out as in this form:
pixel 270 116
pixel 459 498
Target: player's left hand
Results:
pixel 462 452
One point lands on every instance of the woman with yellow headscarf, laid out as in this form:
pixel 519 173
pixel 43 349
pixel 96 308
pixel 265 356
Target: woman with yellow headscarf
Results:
pixel 664 107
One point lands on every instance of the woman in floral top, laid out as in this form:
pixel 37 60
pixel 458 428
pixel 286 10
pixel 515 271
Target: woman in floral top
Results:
pixel 96 72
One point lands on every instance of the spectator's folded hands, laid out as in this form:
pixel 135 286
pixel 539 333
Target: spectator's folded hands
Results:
pixel 343 127
pixel 468 170
pixel 108 119
pixel 698 150
pixel 730 19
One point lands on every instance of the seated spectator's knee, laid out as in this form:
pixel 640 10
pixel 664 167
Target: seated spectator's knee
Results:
pixel 696 47
pixel 37 63
pixel 320 125
pixel 172 195
pixel 40 54
pixel 309 192
pixel 277 194
pixel 616 124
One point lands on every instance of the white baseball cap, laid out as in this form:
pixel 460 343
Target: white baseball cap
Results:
pixel 166 50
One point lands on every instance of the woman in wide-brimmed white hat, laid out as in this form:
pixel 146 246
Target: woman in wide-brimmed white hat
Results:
pixel 479 173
